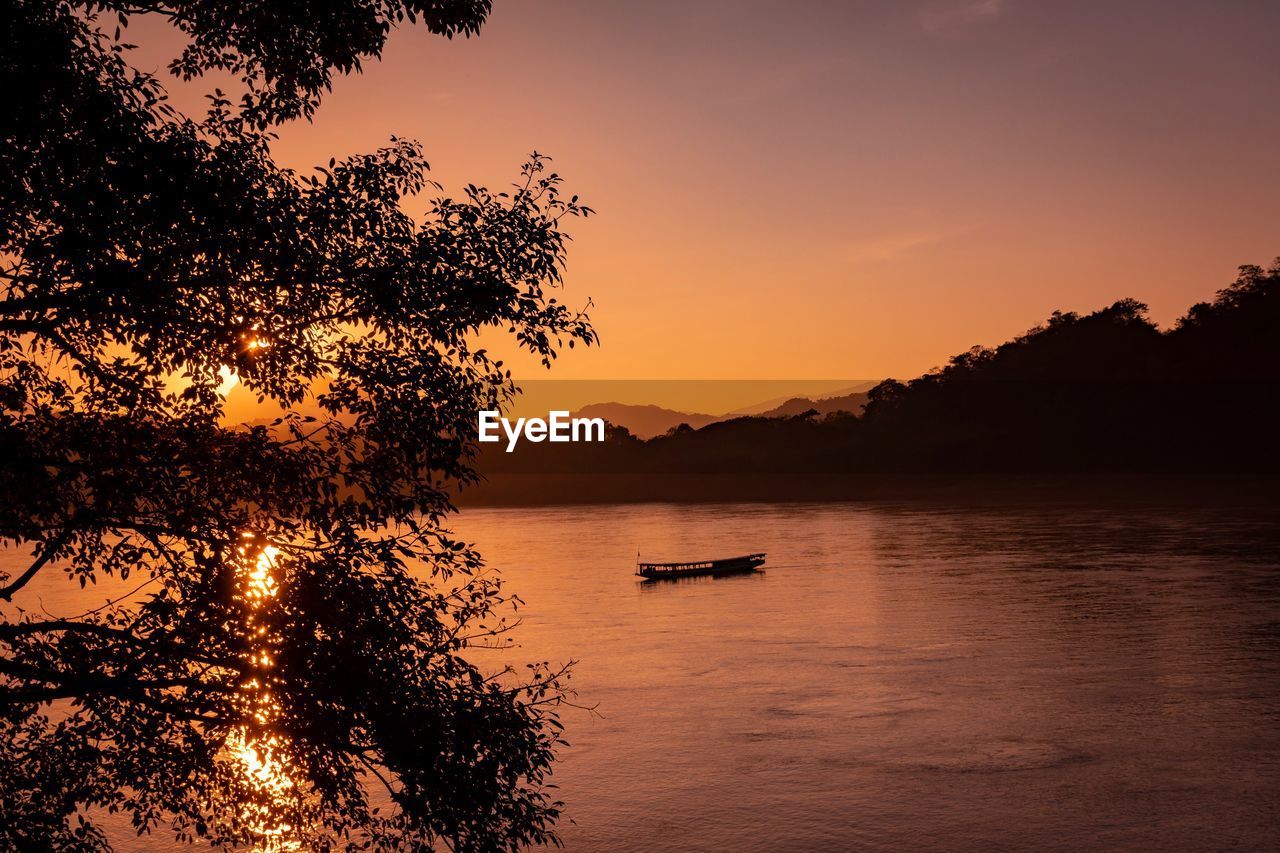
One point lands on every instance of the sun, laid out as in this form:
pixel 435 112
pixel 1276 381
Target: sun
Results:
pixel 230 379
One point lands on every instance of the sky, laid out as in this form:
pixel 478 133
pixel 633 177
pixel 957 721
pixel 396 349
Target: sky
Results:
pixel 817 190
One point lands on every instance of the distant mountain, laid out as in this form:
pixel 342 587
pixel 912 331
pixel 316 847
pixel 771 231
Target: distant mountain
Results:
pixel 851 403
pixel 1108 392
pixel 764 407
pixel 644 421
pixel 647 421
pixel 650 421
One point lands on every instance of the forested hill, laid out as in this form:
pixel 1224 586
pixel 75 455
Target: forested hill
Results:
pixel 1102 392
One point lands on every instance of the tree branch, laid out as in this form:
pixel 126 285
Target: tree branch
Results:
pixel 50 547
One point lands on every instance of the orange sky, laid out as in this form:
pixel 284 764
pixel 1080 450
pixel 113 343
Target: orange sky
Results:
pixel 827 189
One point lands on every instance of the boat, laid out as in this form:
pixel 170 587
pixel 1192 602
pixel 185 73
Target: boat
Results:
pixel 725 566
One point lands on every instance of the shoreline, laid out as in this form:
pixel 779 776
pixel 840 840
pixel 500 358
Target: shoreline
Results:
pixel 536 490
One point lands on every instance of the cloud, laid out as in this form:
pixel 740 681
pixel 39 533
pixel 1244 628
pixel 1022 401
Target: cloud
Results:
pixel 951 17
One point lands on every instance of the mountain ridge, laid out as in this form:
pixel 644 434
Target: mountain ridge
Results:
pixel 649 421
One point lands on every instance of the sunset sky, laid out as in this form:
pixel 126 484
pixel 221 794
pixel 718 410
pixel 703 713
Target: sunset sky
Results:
pixel 831 189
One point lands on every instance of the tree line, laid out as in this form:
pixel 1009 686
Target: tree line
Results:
pixel 1103 392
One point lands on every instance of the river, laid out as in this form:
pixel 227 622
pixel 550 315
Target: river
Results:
pixel 906 675
pixel 910 677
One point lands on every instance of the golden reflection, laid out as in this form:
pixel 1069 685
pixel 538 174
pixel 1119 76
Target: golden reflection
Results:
pixel 261 581
pixel 265 769
pixel 259 754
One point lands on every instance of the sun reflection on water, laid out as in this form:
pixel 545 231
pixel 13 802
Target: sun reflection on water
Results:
pixel 266 771
pixel 258 753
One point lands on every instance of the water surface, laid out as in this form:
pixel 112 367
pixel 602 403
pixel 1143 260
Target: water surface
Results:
pixel 910 677
pixel 902 676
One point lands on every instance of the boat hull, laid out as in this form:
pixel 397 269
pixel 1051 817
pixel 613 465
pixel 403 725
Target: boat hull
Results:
pixel 727 566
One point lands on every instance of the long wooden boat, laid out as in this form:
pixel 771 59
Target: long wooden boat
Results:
pixel 728 565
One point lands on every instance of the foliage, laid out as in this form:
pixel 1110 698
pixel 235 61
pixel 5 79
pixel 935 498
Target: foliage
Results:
pixel 1105 392
pixel 296 628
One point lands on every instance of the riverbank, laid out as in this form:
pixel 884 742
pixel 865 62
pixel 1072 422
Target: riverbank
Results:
pixel 521 489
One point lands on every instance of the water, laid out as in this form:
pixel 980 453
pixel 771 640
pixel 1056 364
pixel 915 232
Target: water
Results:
pixel 899 677
pixel 905 675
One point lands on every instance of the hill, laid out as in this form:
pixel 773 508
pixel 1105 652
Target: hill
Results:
pixel 649 421
pixel 1104 392
pixel 644 421
pixel 850 403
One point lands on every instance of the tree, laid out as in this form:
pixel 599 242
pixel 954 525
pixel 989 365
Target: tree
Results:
pixel 293 653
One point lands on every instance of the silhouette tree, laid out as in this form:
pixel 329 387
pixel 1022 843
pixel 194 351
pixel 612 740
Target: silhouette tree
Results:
pixel 1104 392
pixel 286 657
